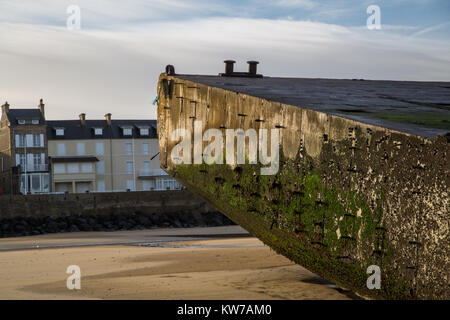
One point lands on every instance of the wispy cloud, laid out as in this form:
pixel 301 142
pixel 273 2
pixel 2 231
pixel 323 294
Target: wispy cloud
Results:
pixel 445 25
pixel 103 71
pixel 308 4
pixel 101 14
pixel 113 62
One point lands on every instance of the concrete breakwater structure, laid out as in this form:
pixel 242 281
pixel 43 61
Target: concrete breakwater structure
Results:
pixel 23 215
pixel 362 179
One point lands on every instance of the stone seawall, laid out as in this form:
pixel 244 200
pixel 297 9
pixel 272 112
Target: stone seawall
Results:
pixel 38 214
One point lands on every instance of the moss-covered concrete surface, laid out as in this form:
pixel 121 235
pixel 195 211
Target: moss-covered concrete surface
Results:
pixel 348 195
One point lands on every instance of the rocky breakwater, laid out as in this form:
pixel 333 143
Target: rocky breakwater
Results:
pixel 28 226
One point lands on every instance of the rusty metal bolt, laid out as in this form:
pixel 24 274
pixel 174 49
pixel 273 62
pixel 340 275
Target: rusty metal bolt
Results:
pixel 229 66
pixel 252 66
pixel 170 70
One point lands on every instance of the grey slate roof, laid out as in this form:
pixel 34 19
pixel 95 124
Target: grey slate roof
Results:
pixel 25 114
pixel 74 129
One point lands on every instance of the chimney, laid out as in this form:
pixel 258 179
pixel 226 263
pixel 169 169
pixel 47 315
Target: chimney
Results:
pixel 5 107
pixel 108 119
pixel 41 107
pixel 83 119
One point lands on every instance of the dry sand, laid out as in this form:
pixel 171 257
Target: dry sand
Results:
pixel 238 268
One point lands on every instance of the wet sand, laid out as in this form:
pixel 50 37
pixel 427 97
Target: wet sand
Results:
pixel 233 266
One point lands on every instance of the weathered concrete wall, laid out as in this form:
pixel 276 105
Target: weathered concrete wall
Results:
pixel 348 195
pixel 57 205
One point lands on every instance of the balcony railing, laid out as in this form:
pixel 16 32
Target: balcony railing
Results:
pixel 152 173
pixel 30 146
pixel 35 168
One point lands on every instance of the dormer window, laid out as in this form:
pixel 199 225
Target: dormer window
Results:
pixel 59 132
pixel 21 121
pixel 144 131
pixel 127 130
pixel 35 121
pixel 98 131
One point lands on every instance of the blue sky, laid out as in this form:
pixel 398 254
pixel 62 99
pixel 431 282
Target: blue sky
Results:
pixel 415 13
pixel 112 64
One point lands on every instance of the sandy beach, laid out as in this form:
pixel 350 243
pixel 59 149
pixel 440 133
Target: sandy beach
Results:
pixel 198 263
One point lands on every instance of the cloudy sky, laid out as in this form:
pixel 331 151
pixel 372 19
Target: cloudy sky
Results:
pixel 113 62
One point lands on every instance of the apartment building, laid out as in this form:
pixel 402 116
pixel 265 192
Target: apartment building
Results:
pixel 105 155
pixel 23 150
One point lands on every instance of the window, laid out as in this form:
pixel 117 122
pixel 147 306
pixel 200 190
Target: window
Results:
pixel 61 149
pixel 35 121
pixel 81 148
pixel 36 140
pixel 61 187
pixel 127 131
pixel 146 166
pixel 147 185
pixel 73 168
pixel 98 131
pixel 21 161
pixel 145 149
pixel 23 184
pixel 35 183
pixel 45 182
pixel 144 131
pixel 101 167
pixel 23 140
pixel 101 185
pixel 130 185
pixel 128 148
pixel 29 142
pixel 36 161
pixel 20 140
pixel 59 168
pixel 21 121
pixel 129 167
pixel 59 132
pixel 167 184
pixel 159 184
pixel 86 167
pixel 99 148
pixel 82 187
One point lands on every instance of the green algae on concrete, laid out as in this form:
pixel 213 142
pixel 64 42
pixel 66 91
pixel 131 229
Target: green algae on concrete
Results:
pixel 304 220
pixel 437 120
